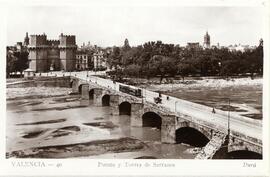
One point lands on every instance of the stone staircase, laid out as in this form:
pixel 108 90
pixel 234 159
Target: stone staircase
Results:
pixel 213 146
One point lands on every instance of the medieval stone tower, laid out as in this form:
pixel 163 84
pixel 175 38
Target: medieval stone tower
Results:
pixel 38 53
pixel 52 55
pixel 67 49
pixel 206 41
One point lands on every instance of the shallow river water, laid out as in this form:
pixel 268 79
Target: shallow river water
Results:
pixel 67 120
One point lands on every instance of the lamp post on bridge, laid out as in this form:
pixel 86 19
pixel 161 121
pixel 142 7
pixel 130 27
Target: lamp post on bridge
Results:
pixel 87 75
pixel 229 116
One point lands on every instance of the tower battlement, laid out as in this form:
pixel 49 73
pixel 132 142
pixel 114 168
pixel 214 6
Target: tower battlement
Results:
pixel 52 54
pixel 66 35
pixel 38 35
pixel 66 40
pixel 53 42
pixel 37 40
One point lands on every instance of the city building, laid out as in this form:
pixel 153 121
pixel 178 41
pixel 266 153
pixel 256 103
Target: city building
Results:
pixel 84 61
pixel 100 60
pixel 52 55
pixel 87 47
pixel 240 47
pixel 193 45
pixel 206 41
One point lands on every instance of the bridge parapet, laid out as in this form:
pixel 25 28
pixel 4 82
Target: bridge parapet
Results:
pixel 239 142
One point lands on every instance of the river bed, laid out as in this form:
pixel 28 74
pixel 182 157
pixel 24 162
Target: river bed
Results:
pixel 245 94
pixel 53 124
pixel 47 122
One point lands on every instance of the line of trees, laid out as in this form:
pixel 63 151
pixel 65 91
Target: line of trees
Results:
pixel 16 61
pixel 159 59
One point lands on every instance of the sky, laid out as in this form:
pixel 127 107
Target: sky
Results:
pixel 110 25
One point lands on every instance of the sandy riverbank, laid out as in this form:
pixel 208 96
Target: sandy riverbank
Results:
pixel 206 83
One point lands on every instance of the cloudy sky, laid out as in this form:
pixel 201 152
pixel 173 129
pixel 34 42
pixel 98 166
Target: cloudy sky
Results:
pixel 110 25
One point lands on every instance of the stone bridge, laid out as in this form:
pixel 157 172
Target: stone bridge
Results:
pixel 215 141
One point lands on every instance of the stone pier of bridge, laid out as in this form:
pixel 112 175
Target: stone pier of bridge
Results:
pixel 85 91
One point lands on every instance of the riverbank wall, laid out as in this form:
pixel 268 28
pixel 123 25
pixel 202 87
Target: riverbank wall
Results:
pixel 41 82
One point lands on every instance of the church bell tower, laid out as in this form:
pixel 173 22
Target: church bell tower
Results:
pixel 206 41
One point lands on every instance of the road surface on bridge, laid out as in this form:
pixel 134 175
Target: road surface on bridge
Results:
pixel 241 124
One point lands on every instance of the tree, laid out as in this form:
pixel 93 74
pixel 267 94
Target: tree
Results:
pixel 156 58
pixel 22 61
pixel 130 56
pixel 10 62
pixel 163 66
pixel 115 59
pixel 184 69
pixel 16 60
pixel 132 70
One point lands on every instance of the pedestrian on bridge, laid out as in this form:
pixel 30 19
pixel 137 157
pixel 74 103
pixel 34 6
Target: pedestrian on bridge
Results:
pixel 213 110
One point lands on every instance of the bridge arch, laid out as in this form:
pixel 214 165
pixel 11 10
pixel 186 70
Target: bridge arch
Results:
pixel 191 136
pixel 80 89
pixel 243 154
pixel 106 100
pixel 125 108
pixel 91 94
pixel 151 119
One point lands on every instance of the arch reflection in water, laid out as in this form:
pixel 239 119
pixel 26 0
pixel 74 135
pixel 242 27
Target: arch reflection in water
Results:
pixel 106 100
pixel 80 89
pixel 91 94
pixel 243 154
pixel 125 108
pixel 190 136
pixel 151 119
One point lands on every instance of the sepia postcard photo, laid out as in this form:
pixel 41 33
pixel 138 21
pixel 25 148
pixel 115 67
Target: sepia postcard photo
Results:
pixel 154 87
